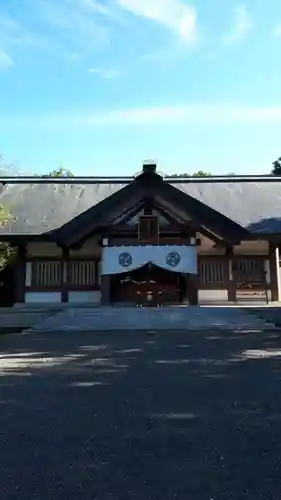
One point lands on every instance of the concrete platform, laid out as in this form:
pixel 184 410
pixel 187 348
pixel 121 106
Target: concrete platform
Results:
pixel 164 318
pixel 128 416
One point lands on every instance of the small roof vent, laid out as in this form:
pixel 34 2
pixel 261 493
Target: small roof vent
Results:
pixel 149 167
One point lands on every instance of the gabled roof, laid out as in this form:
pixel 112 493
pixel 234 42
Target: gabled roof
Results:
pixel 101 214
pixel 150 187
pixel 40 209
pixel 255 204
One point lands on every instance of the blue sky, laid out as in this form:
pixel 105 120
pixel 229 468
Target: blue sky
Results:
pixel 99 86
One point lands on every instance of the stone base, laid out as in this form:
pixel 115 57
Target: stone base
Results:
pixel 152 318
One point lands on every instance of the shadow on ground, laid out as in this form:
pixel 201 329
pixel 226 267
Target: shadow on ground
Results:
pixel 140 416
pixel 270 314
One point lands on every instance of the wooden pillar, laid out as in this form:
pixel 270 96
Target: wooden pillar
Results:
pixel 20 266
pixel 231 287
pixel 192 289
pixel 274 272
pixel 64 274
pixel 105 290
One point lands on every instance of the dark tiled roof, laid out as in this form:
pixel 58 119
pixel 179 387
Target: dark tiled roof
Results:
pixel 256 206
pixel 39 208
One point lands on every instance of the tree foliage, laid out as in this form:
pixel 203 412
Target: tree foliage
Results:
pixel 200 173
pixel 276 167
pixel 6 252
pixel 5 216
pixel 60 172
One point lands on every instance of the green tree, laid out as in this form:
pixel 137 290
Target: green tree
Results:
pixel 200 173
pixel 60 172
pixel 4 216
pixel 276 167
pixel 6 252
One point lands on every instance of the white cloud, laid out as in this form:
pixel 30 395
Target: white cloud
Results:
pixel 64 28
pixel 14 35
pixel 201 114
pixel 6 61
pixel 242 26
pixel 175 15
pixel 99 8
pixel 187 114
pixel 76 29
pixel 75 25
pixel 107 74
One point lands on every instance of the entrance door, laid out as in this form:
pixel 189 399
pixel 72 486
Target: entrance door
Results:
pixel 148 286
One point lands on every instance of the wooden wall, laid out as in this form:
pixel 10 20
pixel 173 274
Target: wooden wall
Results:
pixel 48 271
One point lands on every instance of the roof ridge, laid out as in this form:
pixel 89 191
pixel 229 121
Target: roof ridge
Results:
pixel 4 180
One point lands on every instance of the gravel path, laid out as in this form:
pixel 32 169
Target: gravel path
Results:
pixel 136 416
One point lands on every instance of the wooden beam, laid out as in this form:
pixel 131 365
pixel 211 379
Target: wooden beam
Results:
pixel 202 214
pixel 192 289
pixel 274 272
pixel 231 287
pixel 64 274
pixel 219 242
pixel 105 290
pixel 20 269
pixel 99 216
pixel 148 206
pixel 167 229
pixel 129 214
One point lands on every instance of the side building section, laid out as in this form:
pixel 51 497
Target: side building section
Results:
pixel 46 273
pixel 54 274
pixel 248 271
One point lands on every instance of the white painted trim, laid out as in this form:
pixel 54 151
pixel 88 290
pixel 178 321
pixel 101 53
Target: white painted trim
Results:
pixel 276 260
pixel 230 267
pixel 213 295
pixel 28 274
pixel 80 297
pixel 267 271
pixel 278 279
pixel 43 297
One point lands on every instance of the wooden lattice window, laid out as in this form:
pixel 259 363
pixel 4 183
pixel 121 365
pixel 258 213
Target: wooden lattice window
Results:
pixel 248 269
pixel 148 228
pixel 211 272
pixel 46 274
pixel 82 273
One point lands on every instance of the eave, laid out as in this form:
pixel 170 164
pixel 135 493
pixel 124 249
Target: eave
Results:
pixel 21 239
pixel 149 186
pixel 126 201
pixel 101 214
pixel 205 215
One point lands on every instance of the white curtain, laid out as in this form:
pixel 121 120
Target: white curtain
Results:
pixel 123 259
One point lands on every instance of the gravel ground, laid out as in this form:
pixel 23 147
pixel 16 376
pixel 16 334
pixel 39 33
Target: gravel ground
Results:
pixel 137 416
